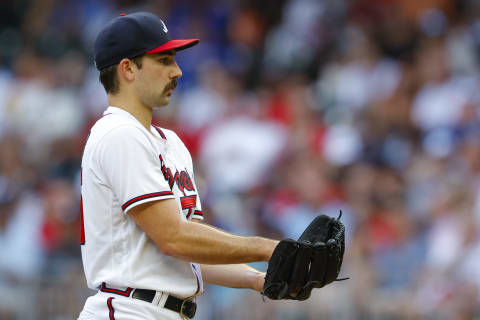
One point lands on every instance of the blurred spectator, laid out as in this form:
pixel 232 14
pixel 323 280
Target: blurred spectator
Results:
pixel 21 252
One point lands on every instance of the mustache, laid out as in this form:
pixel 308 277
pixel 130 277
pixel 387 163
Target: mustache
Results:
pixel 171 85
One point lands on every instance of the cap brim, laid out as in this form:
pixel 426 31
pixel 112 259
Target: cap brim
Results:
pixel 176 45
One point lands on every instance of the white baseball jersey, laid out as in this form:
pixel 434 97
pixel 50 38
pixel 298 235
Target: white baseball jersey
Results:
pixel 124 165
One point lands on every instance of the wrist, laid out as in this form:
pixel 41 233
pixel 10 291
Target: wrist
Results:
pixel 258 280
pixel 270 248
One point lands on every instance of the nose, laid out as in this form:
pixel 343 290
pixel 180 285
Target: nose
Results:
pixel 176 72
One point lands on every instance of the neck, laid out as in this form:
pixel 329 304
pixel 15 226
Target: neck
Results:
pixel 140 111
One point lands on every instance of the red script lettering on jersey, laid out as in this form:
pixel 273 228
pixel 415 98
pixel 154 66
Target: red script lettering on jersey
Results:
pixel 182 178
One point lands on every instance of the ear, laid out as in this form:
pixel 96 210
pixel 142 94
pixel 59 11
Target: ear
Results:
pixel 126 70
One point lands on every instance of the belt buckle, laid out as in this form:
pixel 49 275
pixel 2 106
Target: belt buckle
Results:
pixel 188 313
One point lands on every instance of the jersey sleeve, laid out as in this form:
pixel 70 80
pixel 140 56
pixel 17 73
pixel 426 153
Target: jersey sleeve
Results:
pixel 197 213
pixel 132 167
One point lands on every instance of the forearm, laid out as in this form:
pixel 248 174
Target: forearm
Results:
pixel 202 243
pixel 197 242
pixel 233 276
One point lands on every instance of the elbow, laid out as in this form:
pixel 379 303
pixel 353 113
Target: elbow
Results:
pixel 174 242
pixel 170 249
pixel 171 245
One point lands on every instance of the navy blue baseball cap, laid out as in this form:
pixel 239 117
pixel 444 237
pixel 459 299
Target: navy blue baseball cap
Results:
pixel 128 36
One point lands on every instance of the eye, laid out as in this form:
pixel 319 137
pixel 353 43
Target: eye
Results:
pixel 166 60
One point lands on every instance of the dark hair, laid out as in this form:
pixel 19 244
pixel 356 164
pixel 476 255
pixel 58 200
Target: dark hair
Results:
pixel 108 75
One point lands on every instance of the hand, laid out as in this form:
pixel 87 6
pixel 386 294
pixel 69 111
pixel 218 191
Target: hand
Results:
pixel 313 261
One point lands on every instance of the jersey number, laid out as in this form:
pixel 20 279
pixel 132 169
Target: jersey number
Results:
pixel 82 228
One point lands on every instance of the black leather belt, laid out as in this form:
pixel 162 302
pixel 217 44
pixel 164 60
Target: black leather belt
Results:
pixel 186 308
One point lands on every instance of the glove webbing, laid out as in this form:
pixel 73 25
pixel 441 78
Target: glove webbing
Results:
pixel 342 229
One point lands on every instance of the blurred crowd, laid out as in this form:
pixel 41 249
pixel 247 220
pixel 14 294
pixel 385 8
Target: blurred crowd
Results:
pixel 290 108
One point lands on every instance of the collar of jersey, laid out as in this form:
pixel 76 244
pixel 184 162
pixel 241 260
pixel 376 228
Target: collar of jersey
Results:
pixel 120 111
pixel 117 110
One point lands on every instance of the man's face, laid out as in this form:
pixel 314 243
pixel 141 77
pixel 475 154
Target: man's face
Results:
pixel 157 78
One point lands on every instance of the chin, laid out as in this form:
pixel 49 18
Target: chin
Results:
pixel 162 103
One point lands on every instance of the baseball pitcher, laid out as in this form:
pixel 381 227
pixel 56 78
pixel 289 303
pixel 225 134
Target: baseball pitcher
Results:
pixel 145 249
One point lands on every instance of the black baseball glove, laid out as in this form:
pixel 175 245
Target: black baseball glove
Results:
pixel 313 261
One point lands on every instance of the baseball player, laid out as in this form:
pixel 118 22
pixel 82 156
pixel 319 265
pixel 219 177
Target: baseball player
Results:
pixel 144 247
